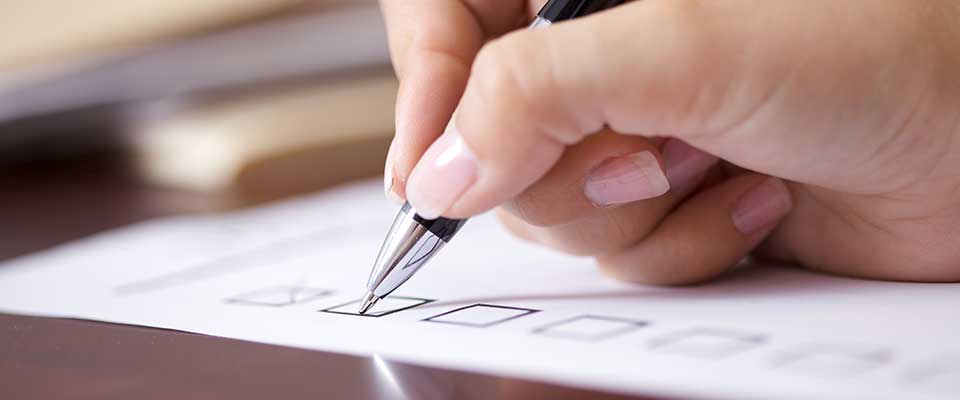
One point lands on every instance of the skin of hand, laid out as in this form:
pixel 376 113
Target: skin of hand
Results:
pixel 669 138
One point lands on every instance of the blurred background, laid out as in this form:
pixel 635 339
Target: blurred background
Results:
pixel 115 111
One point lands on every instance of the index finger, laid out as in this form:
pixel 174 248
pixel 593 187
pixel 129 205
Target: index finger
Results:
pixel 432 45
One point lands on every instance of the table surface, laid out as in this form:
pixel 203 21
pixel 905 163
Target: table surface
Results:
pixel 50 203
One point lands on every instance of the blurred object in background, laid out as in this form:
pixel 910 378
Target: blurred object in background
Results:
pixel 276 142
pixel 46 32
pixel 85 101
pixel 115 111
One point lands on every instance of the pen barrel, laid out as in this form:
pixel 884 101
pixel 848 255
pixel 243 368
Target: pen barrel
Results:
pixel 559 10
pixel 396 271
pixel 410 243
pixel 444 228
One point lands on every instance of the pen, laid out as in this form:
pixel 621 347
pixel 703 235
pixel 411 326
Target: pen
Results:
pixel 412 240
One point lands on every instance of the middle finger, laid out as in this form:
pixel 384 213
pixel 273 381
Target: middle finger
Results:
pixel 606 193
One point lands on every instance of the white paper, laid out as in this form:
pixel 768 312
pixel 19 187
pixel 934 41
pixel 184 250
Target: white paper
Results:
pixel 291 273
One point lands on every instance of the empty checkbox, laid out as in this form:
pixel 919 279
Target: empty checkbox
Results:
pixel 707 343
pixel 832 361
pixel 481 315
pixel 386 306
pixel 279 296
pixel 589 328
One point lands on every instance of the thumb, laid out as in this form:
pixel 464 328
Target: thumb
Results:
pixel 744 81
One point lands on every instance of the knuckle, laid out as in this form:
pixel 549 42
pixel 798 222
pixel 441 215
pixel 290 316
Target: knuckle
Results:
pixel 682 13
pixel 696 58
pixel 653 263
pixel 531 209
pixel 495 71
pixel 642 273
pixel 632 272
pixel 624 232
pixel 514 226
pixel 573 240
pixel 935 262
pixel 600 237
pixel 685 19
pixel 517 75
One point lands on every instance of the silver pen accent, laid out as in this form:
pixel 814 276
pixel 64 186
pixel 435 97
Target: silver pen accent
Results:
pixel 410 243
pixel 539 21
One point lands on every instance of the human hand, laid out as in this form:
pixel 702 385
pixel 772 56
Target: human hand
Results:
pixel 842 117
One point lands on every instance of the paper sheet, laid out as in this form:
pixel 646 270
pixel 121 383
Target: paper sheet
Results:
pixel 291 273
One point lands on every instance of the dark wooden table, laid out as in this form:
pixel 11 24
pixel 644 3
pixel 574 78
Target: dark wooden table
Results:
pixel 45 204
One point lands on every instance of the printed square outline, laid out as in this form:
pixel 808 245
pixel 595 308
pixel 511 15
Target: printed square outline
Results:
pixel 630 325
pixel 420 301
pixel 749 340
pixel 526 312
pixel 239 299
pixel 877 357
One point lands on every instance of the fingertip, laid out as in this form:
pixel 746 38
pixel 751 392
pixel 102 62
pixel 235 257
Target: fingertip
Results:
pixel 393 187
pixel 660 272
pixel 441 177
pixel 761 207
pixel 706 235
pixel 626 179
pixel 685 165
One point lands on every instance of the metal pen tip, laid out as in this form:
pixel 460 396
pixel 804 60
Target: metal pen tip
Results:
pixel 368 302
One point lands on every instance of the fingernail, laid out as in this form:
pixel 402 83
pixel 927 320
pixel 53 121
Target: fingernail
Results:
pixel 625 179
pixel 387 178
pixel 685 164
pixel 762 206
pixel 388 183
pixel 444 173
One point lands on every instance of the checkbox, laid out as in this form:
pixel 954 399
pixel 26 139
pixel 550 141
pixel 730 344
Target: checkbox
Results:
pixel 832 361
pixel 481 315
pixel 386 306
pixel 707 343
pixel 589 328
pixel 279 296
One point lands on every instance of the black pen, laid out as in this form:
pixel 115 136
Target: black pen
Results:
pixel 412 240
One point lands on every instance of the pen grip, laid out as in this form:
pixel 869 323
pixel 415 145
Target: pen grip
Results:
pixel 443 228
pixel 559 10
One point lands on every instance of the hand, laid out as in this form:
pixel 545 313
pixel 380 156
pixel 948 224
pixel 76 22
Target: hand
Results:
pixel 843 119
